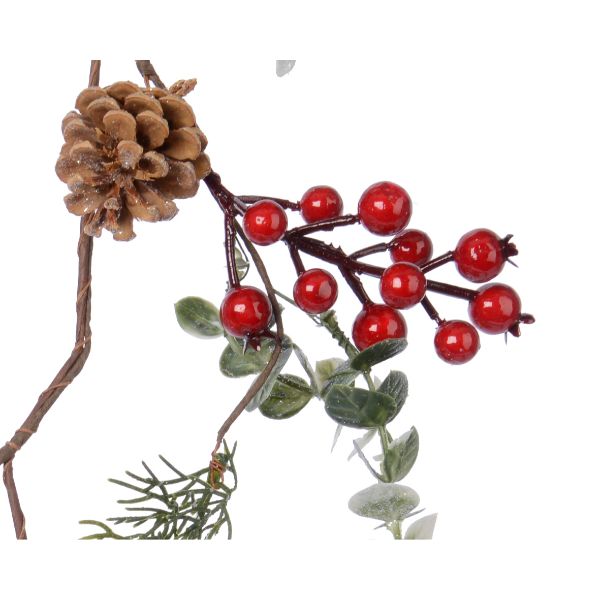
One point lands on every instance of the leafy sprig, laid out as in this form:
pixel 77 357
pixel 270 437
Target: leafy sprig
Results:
pixel 184 507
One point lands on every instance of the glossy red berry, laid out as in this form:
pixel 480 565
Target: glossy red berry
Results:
pixel 245 310
pixel 375 323
pixel 265 222
pixel 319 203
pixel 456 342
pixel 315 291
pixel 479 255
pixel 412 245
pixel 384 208
pixel 496 308
pixel 402 285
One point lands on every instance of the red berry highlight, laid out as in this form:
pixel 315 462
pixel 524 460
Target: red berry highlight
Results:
pixel 456 342
pixel 315 291
pixel 319 203
pixel 412 245
pixel 479 255
pixel 265 222
pixel 496 308
pixel 402 285
pixel 384 208
pixel 245 310
pixel 375 323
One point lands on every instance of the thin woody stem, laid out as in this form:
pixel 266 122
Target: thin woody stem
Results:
pixel 296 259
pixel 355 285
pixel 232 274
pixel 434 263
pixel 225 200
pixel 149 74
pixel 283 203
pixel 451 290
pixel 325 225
pixel 71 368
pixel 374 249
pixel 431 311
pixel 13 500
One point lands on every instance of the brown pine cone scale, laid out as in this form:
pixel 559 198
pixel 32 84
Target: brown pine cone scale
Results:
pixel 129 152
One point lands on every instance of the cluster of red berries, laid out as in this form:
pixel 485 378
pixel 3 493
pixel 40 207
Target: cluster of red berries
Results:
pixel 384 209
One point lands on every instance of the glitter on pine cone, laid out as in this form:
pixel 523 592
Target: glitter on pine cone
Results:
pixel 129 152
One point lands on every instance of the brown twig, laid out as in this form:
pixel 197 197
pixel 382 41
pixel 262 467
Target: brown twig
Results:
pixel 225 200
pixel 149 74
pixel 69 370
pixel 13 500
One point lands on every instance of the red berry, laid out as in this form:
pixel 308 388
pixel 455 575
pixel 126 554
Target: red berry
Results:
pixel 375 323
pixel 265 222
pixel 402 285
pixel 495 308
pixel 315 291
pixel 413 246
pixel 245 310
pixel 456 342
pixel 319 203
pixel 384 208
pixel 479 256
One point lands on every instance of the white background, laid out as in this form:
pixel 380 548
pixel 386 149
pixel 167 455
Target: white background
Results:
pixel 487 114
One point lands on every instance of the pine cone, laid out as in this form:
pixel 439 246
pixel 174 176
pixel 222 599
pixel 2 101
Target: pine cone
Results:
pixel 129 152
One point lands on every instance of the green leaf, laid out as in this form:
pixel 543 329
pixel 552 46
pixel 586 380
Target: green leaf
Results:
pixel 421 529
pixel 384 501
pixel 198 317
pixel 343 374
pixel 400 456
pixel 324 369
pixel 265 391
pixel 242 265
pixel 289 396
pixel 355 407
pixel 377 353
pixel 396 386
pixel 236 363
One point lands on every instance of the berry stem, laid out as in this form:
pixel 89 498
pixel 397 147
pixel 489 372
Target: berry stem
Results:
pixel 287 204
pixel 296 259
pixel 355 285
pixel 434 263
pixel 431 311
pixel 325 225
pixel 375 248
pixel 451 290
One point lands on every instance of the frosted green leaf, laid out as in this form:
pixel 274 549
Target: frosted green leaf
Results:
pixel 377 353
pixel 289 396
pixel 384 501
pixel 421 529
pixel 198 317
pixel 401 456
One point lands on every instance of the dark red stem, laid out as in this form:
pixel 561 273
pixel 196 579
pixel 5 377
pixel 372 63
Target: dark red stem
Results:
pixel 430 310
pixel 451 290
pixel 355 285
pixel 434 263
pixel 374 249
pixel 283 203
pixel 325 225
pixel 296 259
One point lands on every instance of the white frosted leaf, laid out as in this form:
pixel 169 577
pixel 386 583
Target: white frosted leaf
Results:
pixel 384 501
pixel 421 529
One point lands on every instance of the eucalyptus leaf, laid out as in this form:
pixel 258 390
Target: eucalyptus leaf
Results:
pixel 289 396
pixel 384 501
pixel 236 363
pixel 265 391
pixel 396 386
pixel 377 353
pixel 343 374
pixel 421 529
pixel 324 369
pixel 198 317
pixel 400 456
pixel 355 407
